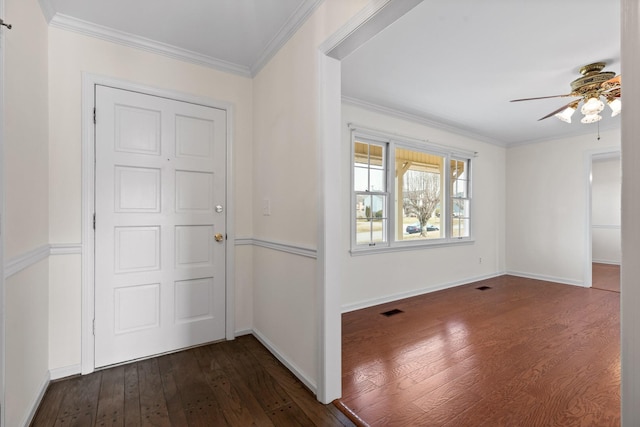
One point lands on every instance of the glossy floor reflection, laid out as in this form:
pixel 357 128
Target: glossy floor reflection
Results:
pixel 524 352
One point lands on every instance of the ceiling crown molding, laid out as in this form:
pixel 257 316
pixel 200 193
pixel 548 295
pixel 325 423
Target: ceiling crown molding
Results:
pixel 293 24
pixel 420 119
pixel 126 39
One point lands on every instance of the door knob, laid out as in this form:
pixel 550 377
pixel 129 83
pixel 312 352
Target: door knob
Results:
pixel 219 237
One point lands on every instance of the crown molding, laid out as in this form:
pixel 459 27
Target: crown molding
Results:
pixel 293 24
pixel 419 119
pixel 130 40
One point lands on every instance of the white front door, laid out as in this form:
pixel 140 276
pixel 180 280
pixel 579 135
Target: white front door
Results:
pixel 160 204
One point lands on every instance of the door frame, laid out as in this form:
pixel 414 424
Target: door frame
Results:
pixel 590 156
pixel 89 81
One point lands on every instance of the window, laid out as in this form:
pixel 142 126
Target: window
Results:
pixel 408 194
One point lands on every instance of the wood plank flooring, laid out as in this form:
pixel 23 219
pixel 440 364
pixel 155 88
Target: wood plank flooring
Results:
pixel 232 383
pixel 605 277
pixel 522 353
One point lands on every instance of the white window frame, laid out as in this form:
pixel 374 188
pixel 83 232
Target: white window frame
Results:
pixel 391 142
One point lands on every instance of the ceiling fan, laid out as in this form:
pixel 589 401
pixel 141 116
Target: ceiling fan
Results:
pixel 593 85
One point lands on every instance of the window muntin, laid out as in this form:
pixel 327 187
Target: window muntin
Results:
pixel 371 198
pixel 405 194
pixel 460 198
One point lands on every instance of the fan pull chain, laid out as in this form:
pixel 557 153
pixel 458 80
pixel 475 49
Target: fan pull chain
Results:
pixel 598 130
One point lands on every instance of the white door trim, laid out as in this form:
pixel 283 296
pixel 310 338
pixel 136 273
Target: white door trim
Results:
pixel 589 157
pixel 89 81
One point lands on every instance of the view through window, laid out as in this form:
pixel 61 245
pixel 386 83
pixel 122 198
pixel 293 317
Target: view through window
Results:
pixel 408 195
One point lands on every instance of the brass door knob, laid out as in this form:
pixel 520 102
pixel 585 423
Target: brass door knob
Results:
pixel 219 237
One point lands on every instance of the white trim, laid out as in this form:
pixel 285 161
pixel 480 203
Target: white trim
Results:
pixel 545 278
pixel 606 261
pixel 369 21
pixel 37 400
pixel 410 246
pixel 293 24
pixel 374 17
pixel 278 246
pixel 589 157
pixel 65 371
pixel 243 332
pixel 90 29
pixel 423 120
pixel 423 144
pixel 396 297
pixel 25 260
pixel 286 362
pixel 89 81
pixel 607 226
pixel 32 257
pixel 66 249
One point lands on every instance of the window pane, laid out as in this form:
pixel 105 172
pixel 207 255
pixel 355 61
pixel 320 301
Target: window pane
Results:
pixel 420 186
pixel 371 218
pixel 361 179
pixel 459 178
pixel 369 167
pixel 460 221
pixel 376 155
pixel 460 227
pixel 376 180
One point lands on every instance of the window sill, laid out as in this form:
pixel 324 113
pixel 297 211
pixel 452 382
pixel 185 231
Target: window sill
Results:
pixel 403 247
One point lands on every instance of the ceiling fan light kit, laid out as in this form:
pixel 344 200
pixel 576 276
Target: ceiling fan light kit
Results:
pixel 593 85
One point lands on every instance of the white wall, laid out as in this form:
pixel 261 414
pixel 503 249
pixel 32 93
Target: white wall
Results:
pixel 547 189
pixel 286 138
pixel 376 278
pixel 72 54
pixel 606 186
pixel 26 208
pixel 630 270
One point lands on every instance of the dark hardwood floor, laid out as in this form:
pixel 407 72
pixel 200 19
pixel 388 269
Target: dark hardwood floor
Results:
pixel 522 353
pixel 605 277
pixel 233 383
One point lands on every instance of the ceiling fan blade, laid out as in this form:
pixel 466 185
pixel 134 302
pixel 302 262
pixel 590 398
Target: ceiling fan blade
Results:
pixel 556 111
pixel 542 97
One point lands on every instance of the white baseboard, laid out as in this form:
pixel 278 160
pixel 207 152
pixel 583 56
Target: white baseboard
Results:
pixel 560 280
pixel 395 297
pixel 605 261
pixel 65 371
pixel 286 362
pixel 36 403
pixel 243 332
